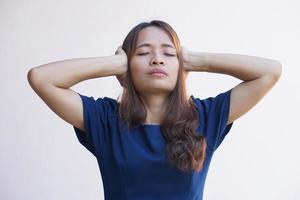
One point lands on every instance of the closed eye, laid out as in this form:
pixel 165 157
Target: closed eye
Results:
pixel 169 54
pixel 140 54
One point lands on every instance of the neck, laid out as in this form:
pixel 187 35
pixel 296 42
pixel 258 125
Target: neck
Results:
pixel 155 106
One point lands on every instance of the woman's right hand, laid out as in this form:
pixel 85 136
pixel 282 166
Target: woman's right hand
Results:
pixel 122 78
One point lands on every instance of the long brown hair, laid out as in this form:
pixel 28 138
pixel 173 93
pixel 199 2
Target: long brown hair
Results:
pixel 185 149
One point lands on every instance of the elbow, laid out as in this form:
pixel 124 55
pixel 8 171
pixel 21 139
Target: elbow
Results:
pixel 33 77
pixel 276 70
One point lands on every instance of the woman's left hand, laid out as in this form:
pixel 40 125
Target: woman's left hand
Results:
pixel 193 61
pixel 185 55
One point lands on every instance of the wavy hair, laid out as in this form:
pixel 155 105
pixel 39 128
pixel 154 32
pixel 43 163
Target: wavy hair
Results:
pixel 185 149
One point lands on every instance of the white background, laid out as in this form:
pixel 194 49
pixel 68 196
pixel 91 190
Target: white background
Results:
pixel 40 155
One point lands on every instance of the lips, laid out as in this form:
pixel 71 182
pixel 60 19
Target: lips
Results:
pixel 157 70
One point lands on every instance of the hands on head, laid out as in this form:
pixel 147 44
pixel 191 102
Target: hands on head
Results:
pixel 185 54
pixel 122 77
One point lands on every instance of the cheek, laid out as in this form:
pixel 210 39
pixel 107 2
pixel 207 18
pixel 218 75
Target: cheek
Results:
pixel 175 69
pixel 136 65
pixel 136 70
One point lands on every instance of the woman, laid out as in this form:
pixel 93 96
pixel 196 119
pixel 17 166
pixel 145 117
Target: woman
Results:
pixel 156 142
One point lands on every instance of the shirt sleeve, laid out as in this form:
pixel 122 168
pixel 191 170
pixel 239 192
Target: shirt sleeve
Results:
pixel 217 113
pixel 95 123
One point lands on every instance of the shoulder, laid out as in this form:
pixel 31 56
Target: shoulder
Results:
pixel 107 105
pixel 211 102
pixel 201 104
pixel 213 114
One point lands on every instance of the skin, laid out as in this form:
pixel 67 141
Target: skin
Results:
pixel 152 89
pixel 258 74
pixel 52 81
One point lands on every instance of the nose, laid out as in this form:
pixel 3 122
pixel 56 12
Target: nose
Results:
pixel 157 60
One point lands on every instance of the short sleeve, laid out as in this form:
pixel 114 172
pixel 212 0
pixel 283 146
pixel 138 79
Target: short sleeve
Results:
pixel 95 123
pixel 215 113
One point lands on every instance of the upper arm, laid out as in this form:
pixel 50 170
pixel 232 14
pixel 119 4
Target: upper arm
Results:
pixel 248 93
pixel 66 103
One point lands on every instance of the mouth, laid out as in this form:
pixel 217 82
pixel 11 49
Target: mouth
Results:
pixel 158 75
pixel 157 71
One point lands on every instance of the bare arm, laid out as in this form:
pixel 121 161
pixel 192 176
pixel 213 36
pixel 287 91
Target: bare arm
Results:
pixel 258 74
pixel 52 82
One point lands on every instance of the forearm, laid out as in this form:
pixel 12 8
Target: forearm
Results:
pixel 243 67
pixel 67 73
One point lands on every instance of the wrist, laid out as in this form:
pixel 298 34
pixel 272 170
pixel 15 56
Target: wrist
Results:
pixel 121 62
pixel 197 61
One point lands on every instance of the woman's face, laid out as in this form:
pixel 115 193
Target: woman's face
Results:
pixel 154 50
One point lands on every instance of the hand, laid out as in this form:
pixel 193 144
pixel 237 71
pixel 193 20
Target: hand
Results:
pixel 194 61
pixel 185 54
pixel 122 78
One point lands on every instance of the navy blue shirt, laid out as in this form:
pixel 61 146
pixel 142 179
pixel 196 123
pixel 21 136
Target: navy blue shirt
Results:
pixel 132 163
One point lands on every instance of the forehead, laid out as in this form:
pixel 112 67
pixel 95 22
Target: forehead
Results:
pixel 153 35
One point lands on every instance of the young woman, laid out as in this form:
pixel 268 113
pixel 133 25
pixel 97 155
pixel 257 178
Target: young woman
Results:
pixel 155 142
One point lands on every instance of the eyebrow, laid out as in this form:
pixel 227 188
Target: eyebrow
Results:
pixel 148 45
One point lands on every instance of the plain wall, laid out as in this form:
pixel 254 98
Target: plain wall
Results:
pixel 40 155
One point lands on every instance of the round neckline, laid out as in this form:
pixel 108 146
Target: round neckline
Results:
pixel 150 125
